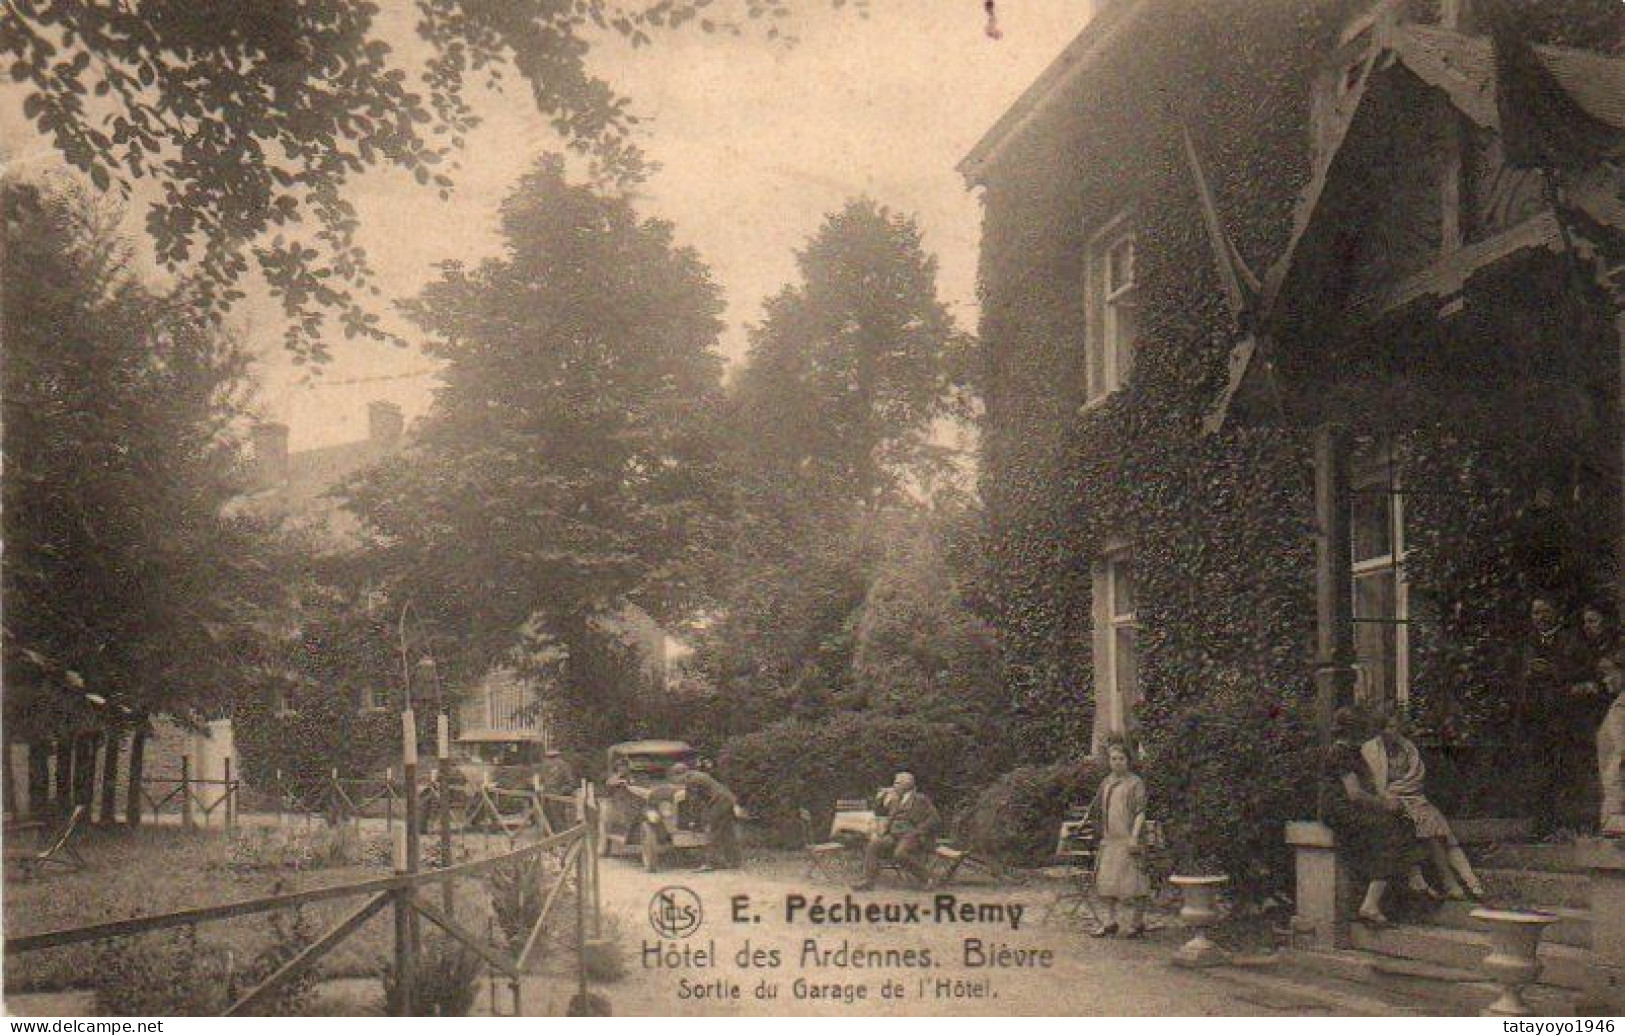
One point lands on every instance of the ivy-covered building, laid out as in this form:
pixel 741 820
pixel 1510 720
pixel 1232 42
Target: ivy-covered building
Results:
pixel 1301 379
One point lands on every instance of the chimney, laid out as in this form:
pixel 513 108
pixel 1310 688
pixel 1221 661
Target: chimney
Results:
pixel 270 464
pixel 384 423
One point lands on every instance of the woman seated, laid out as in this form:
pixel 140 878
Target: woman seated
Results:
pixel 1398 775
pixel 1375 836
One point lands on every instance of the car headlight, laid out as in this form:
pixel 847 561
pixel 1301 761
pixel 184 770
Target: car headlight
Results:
pixel 653 815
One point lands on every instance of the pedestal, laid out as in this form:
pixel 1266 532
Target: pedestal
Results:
pixel 1322 885
pixel 1199 911
pixel 1513 961
pixel 1604 861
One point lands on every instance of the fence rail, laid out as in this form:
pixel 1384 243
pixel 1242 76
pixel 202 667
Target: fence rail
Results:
pixel 189 796
pixel 577 868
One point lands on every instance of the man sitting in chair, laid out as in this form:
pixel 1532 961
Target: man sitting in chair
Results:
pixel 906 829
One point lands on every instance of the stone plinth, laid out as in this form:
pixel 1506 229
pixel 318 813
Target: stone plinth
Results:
pixel 1604 860
pixel 1322 884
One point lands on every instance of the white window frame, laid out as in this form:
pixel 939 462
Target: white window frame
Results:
pixel 369 699
pixel 1104 303
pixel 1113 712
pixel 1382 474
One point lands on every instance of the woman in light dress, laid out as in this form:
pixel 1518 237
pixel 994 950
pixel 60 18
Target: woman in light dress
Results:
pixel 1398 773
pixel 1120 880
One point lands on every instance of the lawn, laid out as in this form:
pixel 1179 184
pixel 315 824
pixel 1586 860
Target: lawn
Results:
pixel 161 869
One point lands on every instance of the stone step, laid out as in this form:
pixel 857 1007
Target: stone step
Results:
pixel 1572 928
pixel 1565 965
pixel 1491 830
pixel 1275 990
pixel 1546 858
pixel 1531 886
pixel 1427 988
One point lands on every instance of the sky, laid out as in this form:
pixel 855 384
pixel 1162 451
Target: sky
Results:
pixel 756 142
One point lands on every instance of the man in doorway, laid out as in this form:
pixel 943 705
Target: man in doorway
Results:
pixel 1552 667
pixel 907 831
pixel 718 804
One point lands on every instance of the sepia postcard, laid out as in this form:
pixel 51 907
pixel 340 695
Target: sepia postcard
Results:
pixel 813 508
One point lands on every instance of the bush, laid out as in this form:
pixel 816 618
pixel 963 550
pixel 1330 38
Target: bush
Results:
pixel 176 974
pixel 517 892
pixel 448 979
pixel 1227 771
pixel 1015 818
pixel 794 764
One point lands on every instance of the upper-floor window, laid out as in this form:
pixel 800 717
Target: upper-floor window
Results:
pixel 1113 309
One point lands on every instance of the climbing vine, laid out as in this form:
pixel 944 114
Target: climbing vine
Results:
pixel 1221 527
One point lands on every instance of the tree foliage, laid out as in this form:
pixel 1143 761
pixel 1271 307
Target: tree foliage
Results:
pixel 122 576
pixel 252 116
pixel 851 367
pixel 568 465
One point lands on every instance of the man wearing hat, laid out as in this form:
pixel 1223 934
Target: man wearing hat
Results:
pixel 718 803
pixel 908 825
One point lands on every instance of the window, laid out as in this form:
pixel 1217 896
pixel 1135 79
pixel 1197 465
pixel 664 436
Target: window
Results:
pixel 282 704
pixel 1116 668
pixel 1381 600
pixel 1113 314
pixel 371 699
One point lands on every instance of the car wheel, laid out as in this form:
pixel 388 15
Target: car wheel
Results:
pixel 649 848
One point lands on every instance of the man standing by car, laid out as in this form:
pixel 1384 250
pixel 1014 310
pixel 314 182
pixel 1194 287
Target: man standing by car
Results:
pixel 907 830
pixel 717 803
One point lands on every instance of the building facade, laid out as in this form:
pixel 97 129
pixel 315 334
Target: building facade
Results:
pixel 1298 387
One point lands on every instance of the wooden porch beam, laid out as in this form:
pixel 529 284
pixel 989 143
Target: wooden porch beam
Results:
pixel 1334 629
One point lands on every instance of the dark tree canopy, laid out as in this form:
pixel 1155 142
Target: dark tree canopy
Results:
pixel 851 367
pixel 252 116
pixel 122 577
pixel 568 464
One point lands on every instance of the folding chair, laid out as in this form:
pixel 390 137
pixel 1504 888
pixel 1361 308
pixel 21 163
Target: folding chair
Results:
pixel 822 856
pixel 59 850
pixel 1076 848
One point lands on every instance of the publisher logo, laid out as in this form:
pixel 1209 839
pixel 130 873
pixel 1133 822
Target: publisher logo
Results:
pixel 674 912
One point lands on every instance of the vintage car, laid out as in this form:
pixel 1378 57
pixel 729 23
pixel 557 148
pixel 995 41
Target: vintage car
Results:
pixel 503 763
pixel 642 809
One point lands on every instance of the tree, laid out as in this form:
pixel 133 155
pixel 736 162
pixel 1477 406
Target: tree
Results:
pixel 852 367
pixel 568 465
pixel 251 116
pixel 918 648
pixel 124 582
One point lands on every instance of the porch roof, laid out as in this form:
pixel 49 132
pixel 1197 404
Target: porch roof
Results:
pixel 1462 68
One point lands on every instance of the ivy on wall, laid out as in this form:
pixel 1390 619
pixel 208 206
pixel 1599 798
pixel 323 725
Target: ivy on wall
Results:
pixel 1221 527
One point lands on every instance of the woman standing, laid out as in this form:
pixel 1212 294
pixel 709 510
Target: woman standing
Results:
pixel 1120 880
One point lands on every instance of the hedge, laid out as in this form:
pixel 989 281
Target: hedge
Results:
pixel 794 764
pixel 1016 818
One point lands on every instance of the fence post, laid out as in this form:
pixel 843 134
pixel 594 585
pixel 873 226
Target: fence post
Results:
pixel 389 800
pixel 186 791
pixel 581 927
pixel 443 797
pixel 409 777
pixel 405 963
pixel 276 788
pixel 231 795
pixel 589 816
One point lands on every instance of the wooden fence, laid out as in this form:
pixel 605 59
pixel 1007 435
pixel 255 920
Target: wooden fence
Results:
pixel 191 798
pixel 575 847
pixel 578 865
pixel 489 809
